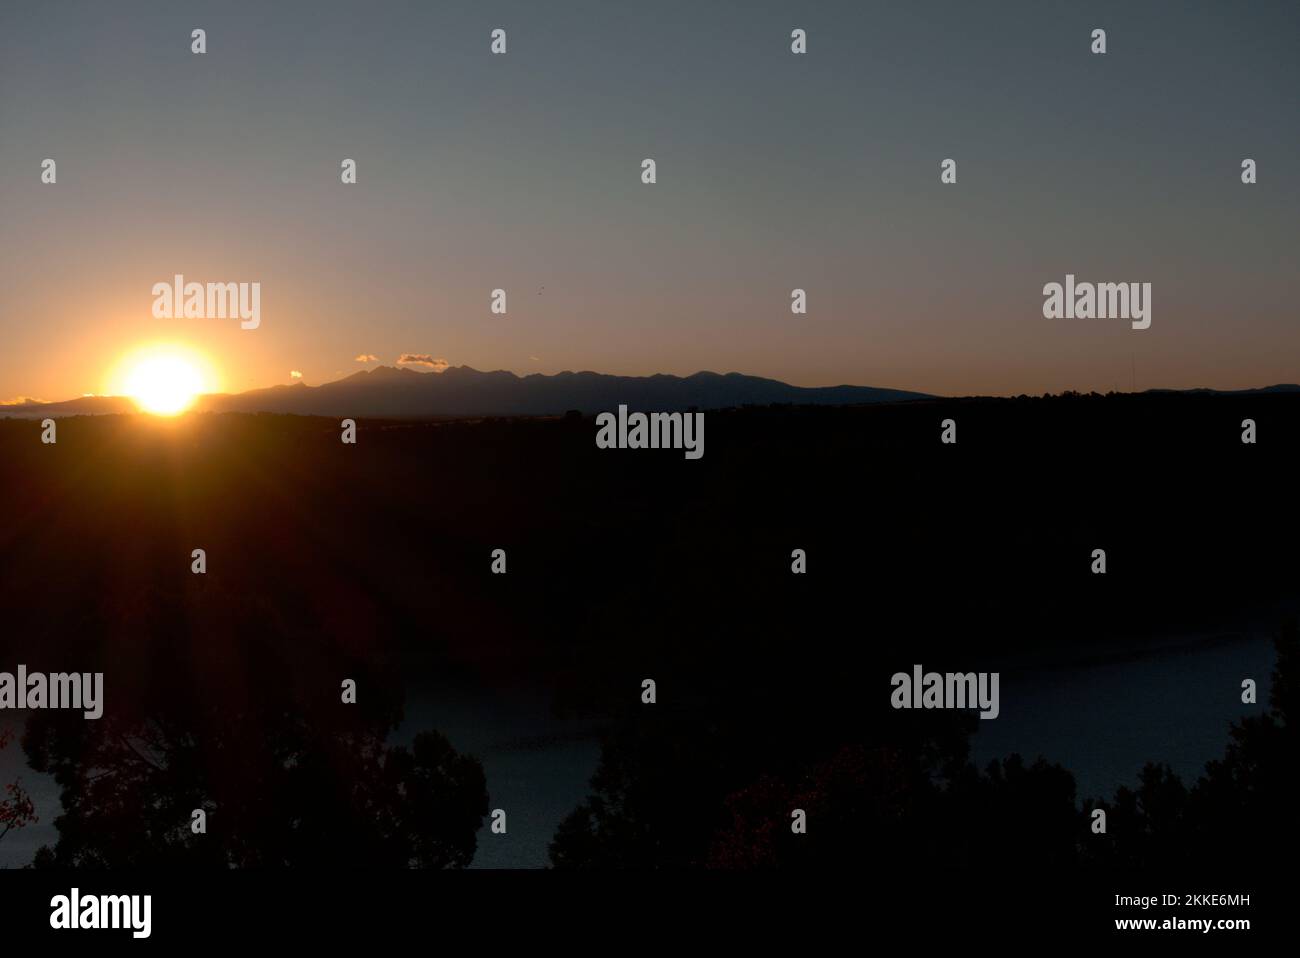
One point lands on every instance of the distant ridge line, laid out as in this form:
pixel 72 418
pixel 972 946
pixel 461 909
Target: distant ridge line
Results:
pixel 462 391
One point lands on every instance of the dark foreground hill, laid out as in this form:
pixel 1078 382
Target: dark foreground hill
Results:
pixel 373 562
pixel 977 545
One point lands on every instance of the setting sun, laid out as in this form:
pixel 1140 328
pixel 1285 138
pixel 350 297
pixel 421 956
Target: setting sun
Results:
pixel 163 379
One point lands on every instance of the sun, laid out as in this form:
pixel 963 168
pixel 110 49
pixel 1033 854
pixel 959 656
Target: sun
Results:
pixel 164 385
pixel 162 379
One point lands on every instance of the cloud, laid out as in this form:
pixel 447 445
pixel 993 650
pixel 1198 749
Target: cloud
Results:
pixel 367 358
pixel 295 374
pixel 22 401
pixel 422 359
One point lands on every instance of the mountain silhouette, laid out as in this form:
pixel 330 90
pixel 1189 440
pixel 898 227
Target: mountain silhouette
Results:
pixel 463 391
pixel 460 391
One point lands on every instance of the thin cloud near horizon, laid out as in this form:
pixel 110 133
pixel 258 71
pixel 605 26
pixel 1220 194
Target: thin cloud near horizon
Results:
pixel 422 359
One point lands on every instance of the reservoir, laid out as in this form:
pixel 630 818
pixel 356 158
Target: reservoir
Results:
pixel 1102 714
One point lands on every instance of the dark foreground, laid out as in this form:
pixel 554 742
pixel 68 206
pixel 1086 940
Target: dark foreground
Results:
pixel 373 563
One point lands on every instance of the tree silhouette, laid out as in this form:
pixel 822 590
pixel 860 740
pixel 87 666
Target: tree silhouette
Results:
pixel 675 793
pixel 920 804
pixel 16 808
pixel 1238 814
pixel 858 802
pixel 281 784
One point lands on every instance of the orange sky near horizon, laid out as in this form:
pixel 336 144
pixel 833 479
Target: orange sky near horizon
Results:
pixel 775 172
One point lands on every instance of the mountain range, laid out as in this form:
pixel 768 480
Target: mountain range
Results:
pixel 461 391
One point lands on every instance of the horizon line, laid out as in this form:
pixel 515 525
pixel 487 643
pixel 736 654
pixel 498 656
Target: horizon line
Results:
pixel 29 402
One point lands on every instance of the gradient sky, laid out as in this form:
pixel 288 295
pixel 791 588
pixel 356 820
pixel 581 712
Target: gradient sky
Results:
pixel 775 171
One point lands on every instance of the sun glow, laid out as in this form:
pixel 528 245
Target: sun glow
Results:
pixel 163 379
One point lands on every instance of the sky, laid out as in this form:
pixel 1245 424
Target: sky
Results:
pixel 775 171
